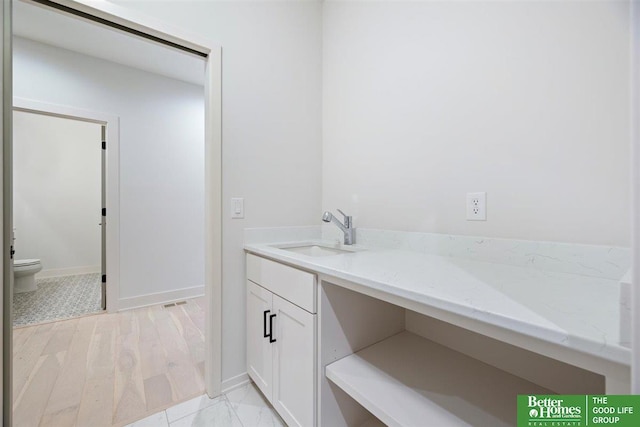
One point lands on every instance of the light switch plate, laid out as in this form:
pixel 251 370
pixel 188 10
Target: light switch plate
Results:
pixel 237 207
pixel 477 206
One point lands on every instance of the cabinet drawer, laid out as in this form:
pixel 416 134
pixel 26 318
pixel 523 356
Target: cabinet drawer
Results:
pixel 296 286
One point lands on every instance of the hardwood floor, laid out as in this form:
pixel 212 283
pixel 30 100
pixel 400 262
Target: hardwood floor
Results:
pixel 108 369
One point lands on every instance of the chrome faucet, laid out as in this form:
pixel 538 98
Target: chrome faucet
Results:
pixel 347 228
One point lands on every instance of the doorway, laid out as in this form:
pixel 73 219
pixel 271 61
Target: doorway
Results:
pixel 213 271
pixel 106 129
pixel 59 226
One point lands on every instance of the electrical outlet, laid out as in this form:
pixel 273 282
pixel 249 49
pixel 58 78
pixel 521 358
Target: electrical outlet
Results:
pixel 476 206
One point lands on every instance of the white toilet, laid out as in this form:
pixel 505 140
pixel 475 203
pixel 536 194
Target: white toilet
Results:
pixel 24 275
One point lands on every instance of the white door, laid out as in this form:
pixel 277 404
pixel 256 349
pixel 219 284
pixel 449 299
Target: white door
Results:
pixel 259 347
pixel 294 363
pixel 103 219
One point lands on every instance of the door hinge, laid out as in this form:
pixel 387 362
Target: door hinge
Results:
pixel 104 211
pixel 104 145
pixel 12 252
pixel 104 278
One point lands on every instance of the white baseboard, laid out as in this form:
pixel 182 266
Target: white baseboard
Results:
pixel 160 298
pixel 235 382
pixel 71 271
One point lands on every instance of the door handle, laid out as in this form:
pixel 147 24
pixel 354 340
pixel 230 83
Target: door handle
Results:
pixel 264 323
pixel 271 338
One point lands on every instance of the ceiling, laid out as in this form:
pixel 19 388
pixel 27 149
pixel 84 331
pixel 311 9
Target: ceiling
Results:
pixel 45 26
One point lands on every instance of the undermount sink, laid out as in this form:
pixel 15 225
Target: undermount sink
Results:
pixel 315 250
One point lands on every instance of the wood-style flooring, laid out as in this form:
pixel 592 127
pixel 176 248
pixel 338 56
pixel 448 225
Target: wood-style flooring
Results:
pixel 108 369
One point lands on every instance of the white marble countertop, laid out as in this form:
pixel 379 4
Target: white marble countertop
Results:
pixel 579 312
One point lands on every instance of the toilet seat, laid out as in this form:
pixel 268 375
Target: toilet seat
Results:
pixel 25 262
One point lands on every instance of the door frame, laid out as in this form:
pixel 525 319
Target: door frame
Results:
pixel 111 123
pixel 634 26
pixel 6 70
pixel 132 21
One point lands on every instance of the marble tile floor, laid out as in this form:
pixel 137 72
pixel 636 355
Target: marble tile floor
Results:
pixel 244 406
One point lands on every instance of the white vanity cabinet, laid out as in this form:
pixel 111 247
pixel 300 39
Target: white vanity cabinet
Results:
pixel 259 346
pixel 281 337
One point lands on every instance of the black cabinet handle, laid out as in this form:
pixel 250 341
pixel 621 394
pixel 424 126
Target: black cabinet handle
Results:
pixel 271 338
pixel 264 323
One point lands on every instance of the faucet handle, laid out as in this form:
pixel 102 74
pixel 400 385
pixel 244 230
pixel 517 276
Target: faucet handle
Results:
pixel 347 219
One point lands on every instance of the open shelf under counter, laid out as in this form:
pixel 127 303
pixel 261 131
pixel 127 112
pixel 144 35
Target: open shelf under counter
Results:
pixel 407 380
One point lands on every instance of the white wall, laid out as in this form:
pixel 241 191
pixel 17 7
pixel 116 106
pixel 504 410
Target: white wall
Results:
pixel 271 112
pixel 528 101
pixel 161 165
pixel 57 191
pixel 422 102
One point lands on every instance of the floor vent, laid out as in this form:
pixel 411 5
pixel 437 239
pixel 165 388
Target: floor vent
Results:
pixel 173 304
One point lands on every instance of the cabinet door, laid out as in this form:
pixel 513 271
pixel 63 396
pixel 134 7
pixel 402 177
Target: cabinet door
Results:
pixel 259 349
pixel 294 363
